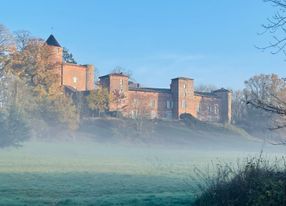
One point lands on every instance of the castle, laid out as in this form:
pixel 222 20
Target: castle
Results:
pixel 134 101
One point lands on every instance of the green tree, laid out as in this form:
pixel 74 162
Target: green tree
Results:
pixel 68 57
pixel 98 100
pixel 14 127
pixel 31 64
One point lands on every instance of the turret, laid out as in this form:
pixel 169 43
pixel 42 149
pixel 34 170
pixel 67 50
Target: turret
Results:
pixel 55 55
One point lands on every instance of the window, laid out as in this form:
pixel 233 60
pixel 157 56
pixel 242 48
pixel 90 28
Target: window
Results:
pixel 152 103
pixel 168 104
pixel 134 114
pixel 74 79
pixel 198 108
pixel 121 85
pixel 135 101
pixel 153 114
pixel 184 104
pixel 184 86
pixel 216 109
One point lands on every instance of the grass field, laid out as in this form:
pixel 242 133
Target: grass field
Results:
pixel 88 173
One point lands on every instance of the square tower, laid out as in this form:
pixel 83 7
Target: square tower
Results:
pixel 182 90
pixel 117 85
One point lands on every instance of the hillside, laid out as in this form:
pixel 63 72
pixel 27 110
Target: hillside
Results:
pixel 194 134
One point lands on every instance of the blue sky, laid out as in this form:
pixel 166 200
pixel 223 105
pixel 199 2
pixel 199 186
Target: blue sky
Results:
pixel 212 41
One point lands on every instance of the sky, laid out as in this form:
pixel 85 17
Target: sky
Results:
pixel 213 41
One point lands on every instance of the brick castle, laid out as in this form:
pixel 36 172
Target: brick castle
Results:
pixel 136 101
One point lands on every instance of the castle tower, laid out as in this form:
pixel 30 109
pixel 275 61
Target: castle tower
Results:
pixel 55 55
pixel 89 77
pixel 117 85
pixel 182 90
pixel 226 100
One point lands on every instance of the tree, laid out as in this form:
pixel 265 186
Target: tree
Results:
pixel 31 64
pixel 276 27
pixel 68 57
pixel 98 100
pixel 238 107
pixel 205 88
pixel 14 127
pixel 117 98
pixel 140 112
pixel 267 93
pixel 120 70
pixel 6 42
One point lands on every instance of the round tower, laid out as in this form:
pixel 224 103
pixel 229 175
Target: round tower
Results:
pixel 55 52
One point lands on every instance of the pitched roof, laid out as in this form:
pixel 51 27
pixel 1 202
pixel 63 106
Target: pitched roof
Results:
pixel 51 41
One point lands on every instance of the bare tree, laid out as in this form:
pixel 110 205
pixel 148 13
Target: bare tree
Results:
pixel 276 27
pixel 121 70
pixel 6 40
pixel 268 93
pixel 206 88
pixel 22 39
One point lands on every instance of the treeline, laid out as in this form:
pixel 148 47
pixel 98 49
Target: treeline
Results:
pixel 260 107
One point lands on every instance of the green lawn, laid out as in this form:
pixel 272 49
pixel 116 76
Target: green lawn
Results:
pixel 87 173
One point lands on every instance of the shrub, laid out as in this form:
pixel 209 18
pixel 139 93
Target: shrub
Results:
pixel 258 182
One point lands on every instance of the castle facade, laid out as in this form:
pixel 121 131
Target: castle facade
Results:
pixel 169 103
pixel 140 102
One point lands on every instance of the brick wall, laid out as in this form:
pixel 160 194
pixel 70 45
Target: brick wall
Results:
pixel 168 103
pixel 208 108
pixel 149 104
pixel 182 90
pixel 75 76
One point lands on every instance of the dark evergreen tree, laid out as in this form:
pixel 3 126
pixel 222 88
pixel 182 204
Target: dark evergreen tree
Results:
pixel 68 57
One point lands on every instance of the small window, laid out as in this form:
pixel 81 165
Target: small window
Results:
pixel 168 104
pixel 152 103
pixel 198 108
pixel 135 101
pixel 184 104
pixel 74 79
pixel 216 109
pixel 185 86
